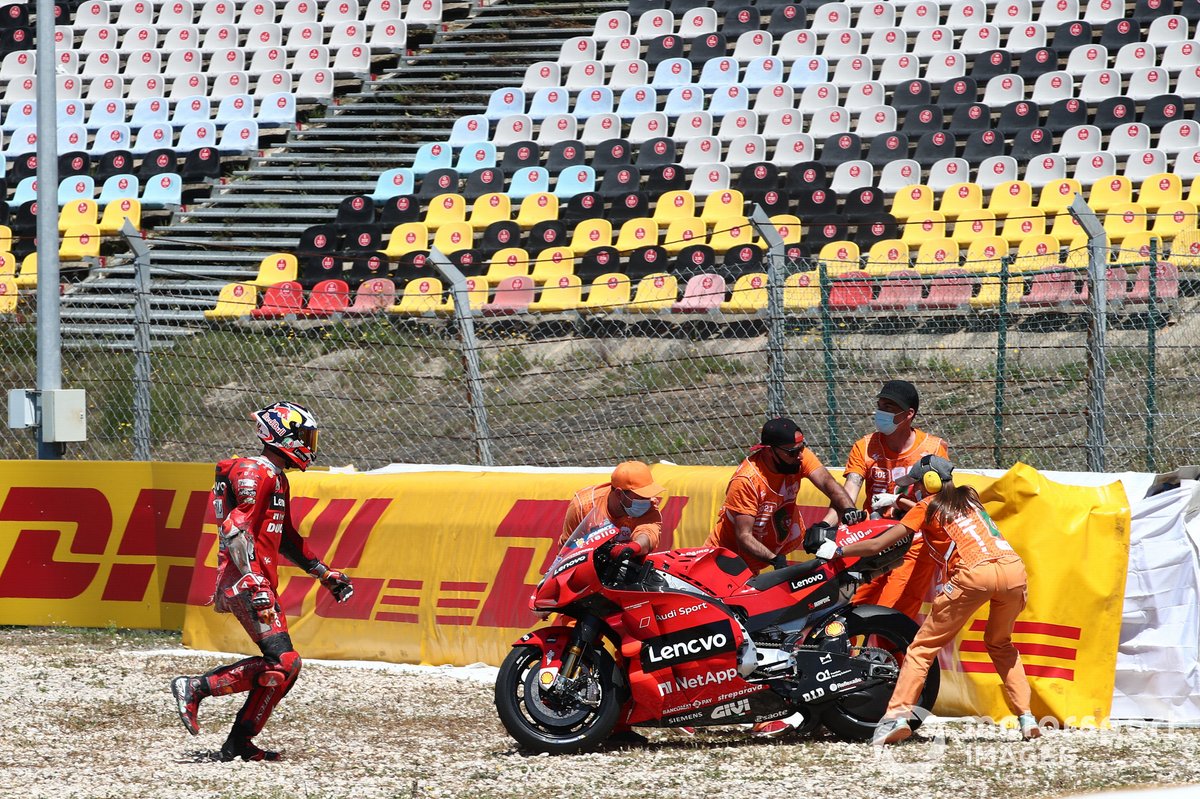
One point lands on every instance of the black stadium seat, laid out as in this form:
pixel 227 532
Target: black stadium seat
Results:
pixel 667 177
pixel 1018 116
pixel 958 91
pixel 1160 110
pixel 398 210
pixel 656 152
pixel 587 205
pixel 1119 32
pixel 79 162
pixel 317 240
pixel 619 181
pixel 663 47
pixel 609 153
pixel 1114 111
pixel 354 211
pixel 1066 114
pixel 825 229
pixel 710 45
pixel 1035 63
pixel 694 259
pixel 840 148
pixel 366 266
pixel 598 261
pixel 521 154
pixel 1032 142
pixel 155 162
pixel 739 20
pixel 486 180
pixel 315 268
pixel 865 203
pixel 500 234
pixel 646 261
pixel 628 206
pixel 806 175
pixel 968 118
pixel 544 235
pixel 990 64
pixel 1069 36
pixel 923 119
pixel 784 18
pixel 983 144
pixel 757 178
pixel 879 228
pixel 565 154
pixel 911 94
pixel 815 202
pixel 935 146
pixel 437 181
pixel 887 147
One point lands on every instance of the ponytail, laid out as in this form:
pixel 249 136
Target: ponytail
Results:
pixel 952 501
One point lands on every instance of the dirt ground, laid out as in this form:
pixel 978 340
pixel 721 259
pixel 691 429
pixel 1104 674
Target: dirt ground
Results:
pixel 88 713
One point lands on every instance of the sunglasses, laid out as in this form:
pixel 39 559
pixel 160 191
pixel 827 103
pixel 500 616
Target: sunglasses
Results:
pixel 796 450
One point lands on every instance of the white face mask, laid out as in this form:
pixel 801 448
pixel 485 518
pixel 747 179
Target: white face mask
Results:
pixel 638 507
pixel 885 422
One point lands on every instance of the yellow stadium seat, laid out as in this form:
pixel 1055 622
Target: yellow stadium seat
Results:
pixel 608 292
pixel 1172 218
pixel 1009 196
pixel 640 231
pixel 886 256
pixel 509 262
pixel 538 207
pixel 1076 255
pixel 8 264
pixel 1124 219
pixel 1057 195
pixel 960 198
pixel 405 238
pixel 1158 190
pixel 936 255
pixel 279 267
pixel 423 295
pixel 923 227
pixel 801 291
pixel 788 227
pixel 989 290
pixel 6 238
pixel 722 205
pixel 235 300
pixel 749 294
pixel 1110 191
pixel 1135 249
pixel 984 254
pixel 446 209
pixel 730 232
pixel 590 233
pixel 674 205
pixel 553 263
pixel 79 243
pixel 27 278
pixel 1022 223
pixel 77 212
pixel 559 294
pixel 1065 227
pixel 684 232
pixel 840 256
pixel 914 200
pixel 655 292
pixel 489 208
pixel 8 295
pixel 115 214
pixel 972 225
pixel 1035 253
pixel 1185 251
pixel 454 236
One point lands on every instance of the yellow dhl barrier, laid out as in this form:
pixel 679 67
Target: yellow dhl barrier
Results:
pixel 444 562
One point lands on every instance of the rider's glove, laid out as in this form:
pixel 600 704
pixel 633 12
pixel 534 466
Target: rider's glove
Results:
pixel 853 516
pixel 828 551
pixel 883 501
pixel 779 561
pixel 628 549
pixel 258 593
pixel 338 583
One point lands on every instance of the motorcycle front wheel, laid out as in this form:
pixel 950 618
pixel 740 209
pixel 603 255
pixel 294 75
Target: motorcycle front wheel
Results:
pixel 884 638
pixel 542 723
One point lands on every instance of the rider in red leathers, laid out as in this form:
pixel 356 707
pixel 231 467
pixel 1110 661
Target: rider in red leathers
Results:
pixel 251 499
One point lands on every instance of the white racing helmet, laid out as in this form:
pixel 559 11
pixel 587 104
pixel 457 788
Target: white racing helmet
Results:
pixel 290 430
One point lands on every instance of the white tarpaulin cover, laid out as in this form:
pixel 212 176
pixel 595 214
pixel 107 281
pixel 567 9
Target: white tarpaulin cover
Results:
pixel 1158 660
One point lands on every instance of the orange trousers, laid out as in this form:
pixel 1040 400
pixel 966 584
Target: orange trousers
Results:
pixel 1002 583
pixel 904 587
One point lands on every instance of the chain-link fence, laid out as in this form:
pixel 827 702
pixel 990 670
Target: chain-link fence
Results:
pixel 681 365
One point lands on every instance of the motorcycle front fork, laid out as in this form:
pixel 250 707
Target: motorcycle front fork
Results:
pixel 583 637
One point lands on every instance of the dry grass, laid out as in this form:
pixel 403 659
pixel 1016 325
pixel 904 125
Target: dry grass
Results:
pixel 87 713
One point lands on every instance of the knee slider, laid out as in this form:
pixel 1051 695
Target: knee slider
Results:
pixel 282 673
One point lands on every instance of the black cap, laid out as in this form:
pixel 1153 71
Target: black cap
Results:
pixel 781 432
pixel 901 392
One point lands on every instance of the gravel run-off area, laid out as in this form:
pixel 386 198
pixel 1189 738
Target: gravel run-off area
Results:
pixel 88 713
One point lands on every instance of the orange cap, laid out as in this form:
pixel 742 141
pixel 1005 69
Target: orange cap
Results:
pixel 635 476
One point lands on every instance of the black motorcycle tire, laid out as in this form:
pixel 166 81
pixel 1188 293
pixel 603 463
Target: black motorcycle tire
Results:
pixel 539 736
pixel 854 717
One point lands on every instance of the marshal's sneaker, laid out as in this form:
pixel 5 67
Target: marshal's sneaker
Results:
pixel 246 750
pixel 891 731
pixel 187 701
pixel 1029 727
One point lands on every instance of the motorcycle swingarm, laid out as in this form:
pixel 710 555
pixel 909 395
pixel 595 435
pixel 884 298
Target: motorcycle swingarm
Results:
pixel 826 675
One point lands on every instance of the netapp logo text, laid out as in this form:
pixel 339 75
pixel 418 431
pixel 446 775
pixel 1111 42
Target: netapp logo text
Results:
pixel 693 643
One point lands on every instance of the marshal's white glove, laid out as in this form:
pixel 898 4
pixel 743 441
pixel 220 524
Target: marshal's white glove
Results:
pixel 827 551
pixel 882 501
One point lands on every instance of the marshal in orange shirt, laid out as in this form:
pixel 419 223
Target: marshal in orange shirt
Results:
pixel 649 523
pixel 758 491
pixel 960 542
pixel 879 466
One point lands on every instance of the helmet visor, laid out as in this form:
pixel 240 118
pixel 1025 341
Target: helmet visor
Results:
pixel 308 437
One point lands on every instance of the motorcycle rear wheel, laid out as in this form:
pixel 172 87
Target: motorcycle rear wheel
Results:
pixel 538 723
pixel 853 717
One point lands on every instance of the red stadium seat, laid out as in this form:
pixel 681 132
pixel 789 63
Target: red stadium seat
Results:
pixel 282 299
pixel 899 290
pixel 373 296
pixel 327 298
pixel 703 293
pixel 513 295
pixel 850 291
pixel 1051 289
pixel 1166 285
pixel 949 289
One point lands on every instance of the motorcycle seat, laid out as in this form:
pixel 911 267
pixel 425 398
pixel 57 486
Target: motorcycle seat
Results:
pixel 761 582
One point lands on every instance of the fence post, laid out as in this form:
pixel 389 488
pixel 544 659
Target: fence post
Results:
pixel 830 372
pixel 141 341
pixel 1152 359
pixel 470 352
pixel 776 330
pixel 1097 329
pixel 1001 368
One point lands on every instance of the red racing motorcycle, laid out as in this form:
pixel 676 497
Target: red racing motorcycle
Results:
pixel 692 637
